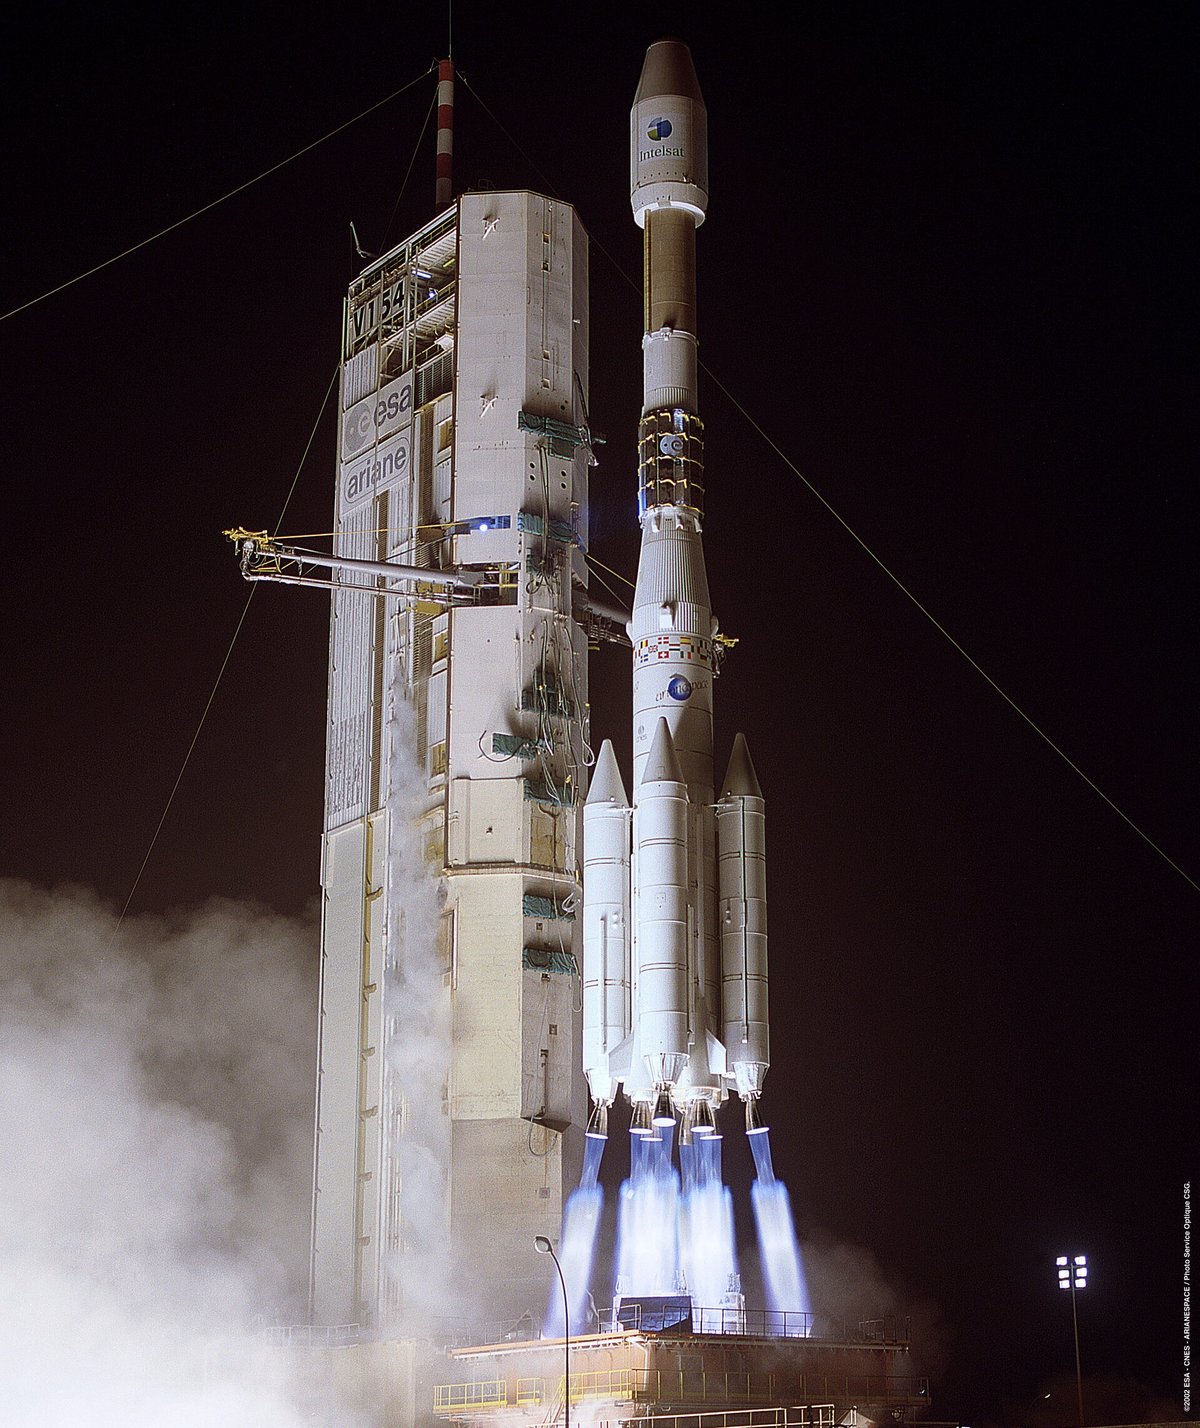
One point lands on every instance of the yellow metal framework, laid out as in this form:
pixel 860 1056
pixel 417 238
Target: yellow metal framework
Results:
pixel 452 1398
pixel 465 1400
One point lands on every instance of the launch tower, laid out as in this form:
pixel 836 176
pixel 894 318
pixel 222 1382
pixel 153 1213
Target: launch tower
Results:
pixel 449 1046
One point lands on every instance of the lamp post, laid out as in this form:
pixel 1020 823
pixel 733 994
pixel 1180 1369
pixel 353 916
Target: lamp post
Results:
pixel 543 1246
pixel 1072 1275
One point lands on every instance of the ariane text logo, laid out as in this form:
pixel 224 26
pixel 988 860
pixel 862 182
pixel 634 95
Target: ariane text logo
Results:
pixel 658 130
pixel 680 688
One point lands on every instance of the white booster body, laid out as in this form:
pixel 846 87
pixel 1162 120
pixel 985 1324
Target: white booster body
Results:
pixel 662 916
pixel 742 913
pixel 607 976
pixel 692 1021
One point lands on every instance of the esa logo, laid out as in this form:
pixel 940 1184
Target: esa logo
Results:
pixel 366 419
pixel 378 416
pixel 658 130
pixel 680 688
pixel 671 444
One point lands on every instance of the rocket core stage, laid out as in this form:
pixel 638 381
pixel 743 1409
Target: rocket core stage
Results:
pixel 674 920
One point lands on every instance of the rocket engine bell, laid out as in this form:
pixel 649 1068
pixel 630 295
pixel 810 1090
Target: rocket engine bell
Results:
pixel 674 887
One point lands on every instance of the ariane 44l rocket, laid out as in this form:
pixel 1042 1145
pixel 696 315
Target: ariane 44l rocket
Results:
pixel 674 886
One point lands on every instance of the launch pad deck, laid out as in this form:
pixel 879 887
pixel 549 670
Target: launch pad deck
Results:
pixel 707 1380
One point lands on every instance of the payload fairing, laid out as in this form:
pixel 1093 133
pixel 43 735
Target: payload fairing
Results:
pixel 674 936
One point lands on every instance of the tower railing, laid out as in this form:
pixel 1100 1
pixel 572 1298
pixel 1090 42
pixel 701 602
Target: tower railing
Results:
pixel 892 1329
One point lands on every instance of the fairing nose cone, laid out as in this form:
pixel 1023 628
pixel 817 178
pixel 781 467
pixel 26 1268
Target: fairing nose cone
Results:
pixel 606 785
pixel 668 69
pixel 740 779
pixel 663 762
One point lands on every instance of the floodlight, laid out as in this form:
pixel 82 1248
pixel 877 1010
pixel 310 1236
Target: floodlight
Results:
pixel 1072 1275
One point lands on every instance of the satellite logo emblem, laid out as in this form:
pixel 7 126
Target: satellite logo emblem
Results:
pixel 658 130
pixel 679 688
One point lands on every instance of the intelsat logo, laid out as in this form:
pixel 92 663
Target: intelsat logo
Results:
pixel 680 688
pixel 658 131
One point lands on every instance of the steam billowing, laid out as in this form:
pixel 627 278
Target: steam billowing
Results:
pixel 416 1004
pixel 155 1118
pixel 156 1121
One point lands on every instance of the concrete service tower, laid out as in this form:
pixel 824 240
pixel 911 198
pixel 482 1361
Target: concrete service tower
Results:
pixel 449 1059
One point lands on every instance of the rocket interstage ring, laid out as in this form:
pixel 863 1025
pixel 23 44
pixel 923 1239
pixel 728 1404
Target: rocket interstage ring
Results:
pixel 679 649
pixel 671 460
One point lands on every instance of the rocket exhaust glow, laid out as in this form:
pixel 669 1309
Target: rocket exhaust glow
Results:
pixel 577 1249
pixel 778 1248
pixel 648 1220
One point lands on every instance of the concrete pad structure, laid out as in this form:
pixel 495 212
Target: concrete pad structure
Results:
pixel 758 1378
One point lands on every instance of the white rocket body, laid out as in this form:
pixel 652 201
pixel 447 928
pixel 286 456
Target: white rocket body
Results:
pixel 607 976
pixel 675 975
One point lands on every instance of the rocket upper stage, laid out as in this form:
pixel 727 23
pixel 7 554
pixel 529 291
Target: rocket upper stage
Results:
pixel 668 158
pixel 674 934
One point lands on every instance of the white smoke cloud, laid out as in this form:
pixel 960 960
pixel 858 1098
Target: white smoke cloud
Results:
pixel 416 1004
pixel 848 1285
pixel 155 1119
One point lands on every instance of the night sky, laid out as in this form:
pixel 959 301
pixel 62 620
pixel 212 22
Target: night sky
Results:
pixel 949 271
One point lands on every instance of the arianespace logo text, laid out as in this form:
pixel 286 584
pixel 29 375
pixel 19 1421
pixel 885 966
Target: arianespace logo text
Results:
pixel 679 689
pixel 658 131
pixel 382 466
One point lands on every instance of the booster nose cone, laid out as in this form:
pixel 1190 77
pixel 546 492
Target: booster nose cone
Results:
pixel 663 762
pixel 740 779
pixel 606 785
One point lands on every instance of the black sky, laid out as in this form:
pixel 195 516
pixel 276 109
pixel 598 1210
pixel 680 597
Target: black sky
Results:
pixel 948 269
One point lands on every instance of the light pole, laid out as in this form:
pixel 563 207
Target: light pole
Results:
pixel 1072 1275
pixel 543 1246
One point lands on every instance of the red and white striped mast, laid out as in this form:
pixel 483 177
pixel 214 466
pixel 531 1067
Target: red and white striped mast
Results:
pixel 445 133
